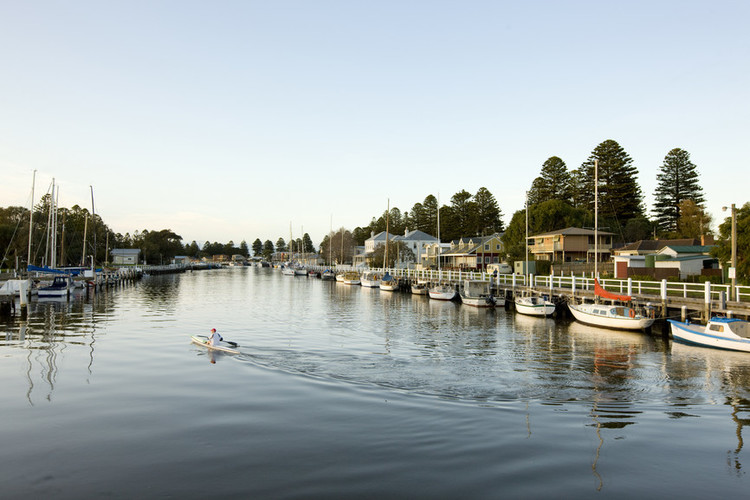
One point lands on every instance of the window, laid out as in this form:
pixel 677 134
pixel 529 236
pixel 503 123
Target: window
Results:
pixel 487 246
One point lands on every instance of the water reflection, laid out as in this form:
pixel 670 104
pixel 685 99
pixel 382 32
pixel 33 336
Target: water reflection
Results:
pixel 712 376
pixel 51 327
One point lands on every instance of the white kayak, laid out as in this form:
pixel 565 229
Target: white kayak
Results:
pixel 224 346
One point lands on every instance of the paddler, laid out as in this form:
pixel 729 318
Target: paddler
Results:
pixel 214 338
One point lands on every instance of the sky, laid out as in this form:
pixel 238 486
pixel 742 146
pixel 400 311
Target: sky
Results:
pixel 236 120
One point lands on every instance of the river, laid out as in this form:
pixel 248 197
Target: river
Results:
pixel 350 392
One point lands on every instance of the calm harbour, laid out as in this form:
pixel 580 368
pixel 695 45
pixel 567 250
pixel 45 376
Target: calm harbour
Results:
pixel 349 392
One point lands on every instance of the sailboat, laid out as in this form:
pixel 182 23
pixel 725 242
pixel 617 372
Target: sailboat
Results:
pixel 388 283
pixel 441 291
pixel 527 303
pixel 624 317
pixel 328 274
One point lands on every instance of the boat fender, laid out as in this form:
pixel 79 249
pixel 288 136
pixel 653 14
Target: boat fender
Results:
pixel 632 313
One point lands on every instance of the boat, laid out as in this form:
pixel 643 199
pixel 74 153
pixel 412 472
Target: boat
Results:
pixel 300 270
pixel 340 277
pixel 287 269
pixel 313 274
pixel 477 293
pixel 224 346
pixel 533 305
pixel 419 288
pixel 442 291
pixel 624 317
pixel 388 283
pixel 352 278
pixel 370 279
pixel 328 275
pixel 528 304
pixel 60 287
pixel 720 333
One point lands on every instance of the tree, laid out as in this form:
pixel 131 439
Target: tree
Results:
pixel 307 244
pixel 398 251
pixel 543 217
pixel 553 182
pixel 267 249
pixel 243 249
pixel 458 219
pixel 160 246
pixel 341 247
pixel 638 228
pixel 620 197
pixel 281 245
pixel 192 250
pixel 677 181
pixel 694 221
pixel 488 214
pixel 257 247
pixel 723 249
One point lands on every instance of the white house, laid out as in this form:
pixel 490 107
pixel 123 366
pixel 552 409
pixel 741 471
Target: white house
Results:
pixel 124 256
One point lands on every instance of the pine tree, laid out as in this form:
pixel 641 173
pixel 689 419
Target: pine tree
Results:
pixel 488 212
pixel 620 196
pixel 677 181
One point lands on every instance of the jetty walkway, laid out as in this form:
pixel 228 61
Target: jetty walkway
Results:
pixel 671 298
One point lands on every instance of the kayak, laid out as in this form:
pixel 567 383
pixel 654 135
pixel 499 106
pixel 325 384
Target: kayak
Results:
pixel 224 346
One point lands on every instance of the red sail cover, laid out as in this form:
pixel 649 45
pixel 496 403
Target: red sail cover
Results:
pixel 601 292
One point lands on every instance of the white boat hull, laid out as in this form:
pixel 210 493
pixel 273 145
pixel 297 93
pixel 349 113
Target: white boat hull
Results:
pixel 587 313
pixel 203 341
pixel 442 292
pixel 482 301
pixel 534 306
pixel 388 286
pixel 702 336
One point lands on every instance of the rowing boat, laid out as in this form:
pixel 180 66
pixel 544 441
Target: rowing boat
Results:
pixel 223 346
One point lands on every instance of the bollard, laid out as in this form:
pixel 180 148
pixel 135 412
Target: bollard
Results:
pixel 683 314
pixel 630 286
pixel 663 298
pixel 706 301
pixel 24 293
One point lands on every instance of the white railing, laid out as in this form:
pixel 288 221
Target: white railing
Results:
pixel 663 289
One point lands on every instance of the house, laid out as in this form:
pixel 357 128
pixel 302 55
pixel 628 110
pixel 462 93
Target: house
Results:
pixel 648 247
pixel 473 253
pixel 649 257
pixel 571 244
pixel 125 256
pixel 669 261
pixel 418 242
pixel 415 240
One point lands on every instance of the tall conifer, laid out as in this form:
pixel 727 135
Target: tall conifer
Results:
pixel 677 181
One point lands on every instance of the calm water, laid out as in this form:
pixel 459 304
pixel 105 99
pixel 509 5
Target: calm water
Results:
pixel 348 392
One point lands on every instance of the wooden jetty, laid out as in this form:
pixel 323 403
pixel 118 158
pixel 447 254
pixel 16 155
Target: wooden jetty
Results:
pixel 672 299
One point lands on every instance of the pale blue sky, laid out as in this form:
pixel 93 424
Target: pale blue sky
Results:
pixel 228 120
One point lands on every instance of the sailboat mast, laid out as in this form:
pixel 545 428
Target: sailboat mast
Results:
pixel 93 226
pixel 31 219
pixel 438 232
pixel 387 216
pixel 596 218
pixel 526 262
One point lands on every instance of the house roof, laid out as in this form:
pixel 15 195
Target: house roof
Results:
pixel 416 235
pixel 468 246
pixel 654 245
pixel 688 248
pixel 125 251
pixel 572 231
pixel 381 237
